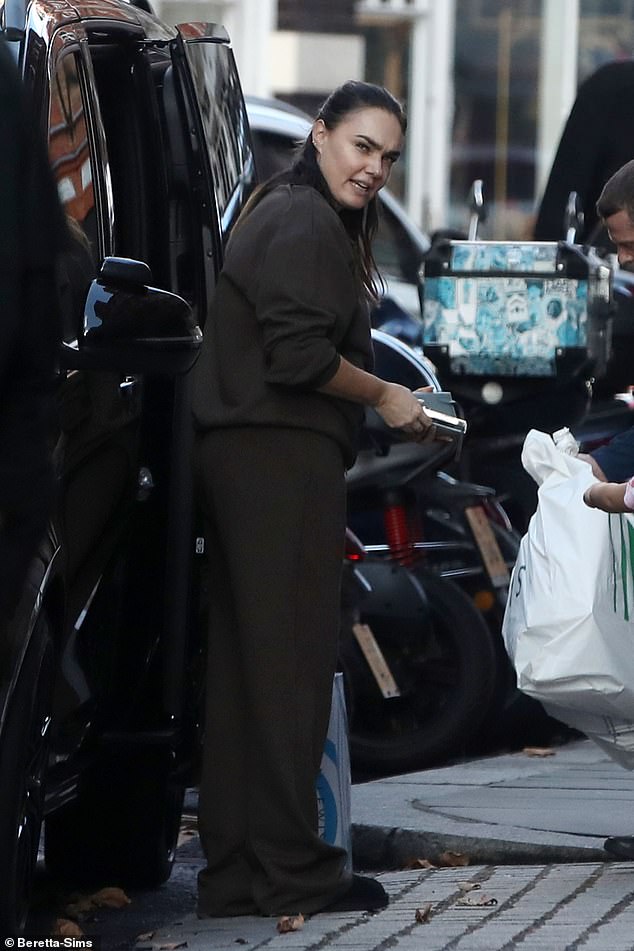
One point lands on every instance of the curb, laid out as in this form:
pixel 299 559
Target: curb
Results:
pixel 381 848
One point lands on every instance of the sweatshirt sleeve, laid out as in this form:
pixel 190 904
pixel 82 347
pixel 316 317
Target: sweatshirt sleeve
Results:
pixel 617 457
pixel 306 297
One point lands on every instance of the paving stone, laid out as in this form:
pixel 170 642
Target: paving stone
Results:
pixel 533 830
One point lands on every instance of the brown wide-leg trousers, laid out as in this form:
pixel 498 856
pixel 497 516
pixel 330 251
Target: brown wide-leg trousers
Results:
pixel 274 501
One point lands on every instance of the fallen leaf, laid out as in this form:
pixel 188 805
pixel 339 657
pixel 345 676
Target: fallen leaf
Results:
pixel 288 923
pixel 184 837
pixel 453 859
pixel 188 829
pixel 146 936
pixel 538 751
pixel 423 913
pixel 69 929
pixel 469 886
pixel 172 947
pixel 477 901
pixel 418 863
pixel 110 898
pixel 79 907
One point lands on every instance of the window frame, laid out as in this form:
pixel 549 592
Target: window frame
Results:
pixel 65 42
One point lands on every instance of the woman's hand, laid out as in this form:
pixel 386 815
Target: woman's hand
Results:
pixel 399 409
pixel 396 405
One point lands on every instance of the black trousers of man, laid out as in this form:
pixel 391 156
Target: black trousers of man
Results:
pixel 274 500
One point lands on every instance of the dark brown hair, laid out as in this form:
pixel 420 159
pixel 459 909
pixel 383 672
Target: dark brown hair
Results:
pixel 361 225
pixel 618 193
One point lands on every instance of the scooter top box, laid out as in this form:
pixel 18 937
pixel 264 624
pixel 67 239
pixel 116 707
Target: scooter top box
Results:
pixel 528 309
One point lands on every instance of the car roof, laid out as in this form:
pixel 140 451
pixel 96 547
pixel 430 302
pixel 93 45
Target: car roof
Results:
pixel 272 115
pixel 44 16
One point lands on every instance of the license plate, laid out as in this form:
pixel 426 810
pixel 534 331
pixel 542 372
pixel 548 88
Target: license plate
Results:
pixel 376 661
pixel 488 547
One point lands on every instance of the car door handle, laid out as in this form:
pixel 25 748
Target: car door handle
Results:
pixel 128 386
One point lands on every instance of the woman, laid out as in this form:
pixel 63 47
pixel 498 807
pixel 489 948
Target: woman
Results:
pixel 279 392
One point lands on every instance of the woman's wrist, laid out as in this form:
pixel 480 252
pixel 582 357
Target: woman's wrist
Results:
pixel 380 392
pixel 352 383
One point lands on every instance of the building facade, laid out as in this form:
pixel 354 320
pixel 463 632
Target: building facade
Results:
pixel 487 84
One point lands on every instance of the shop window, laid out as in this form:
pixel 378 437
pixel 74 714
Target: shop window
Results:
pixel 497 57
pixel 606 34
pixel 387 63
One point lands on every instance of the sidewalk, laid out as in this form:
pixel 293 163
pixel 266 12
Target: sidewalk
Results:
pixel 531 830
pixel 509 809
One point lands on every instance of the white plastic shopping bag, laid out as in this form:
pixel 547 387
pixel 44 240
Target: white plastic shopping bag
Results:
pixel 569 621
pixel 333 782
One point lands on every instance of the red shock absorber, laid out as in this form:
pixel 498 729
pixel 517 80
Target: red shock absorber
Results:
pixel 397 530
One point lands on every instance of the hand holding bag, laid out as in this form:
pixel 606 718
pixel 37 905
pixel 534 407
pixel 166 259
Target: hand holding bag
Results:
pixel 569 621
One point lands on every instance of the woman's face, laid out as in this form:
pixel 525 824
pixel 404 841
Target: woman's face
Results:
pixel 356 157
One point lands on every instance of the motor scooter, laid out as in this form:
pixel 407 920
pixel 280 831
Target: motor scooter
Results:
pixel 423 661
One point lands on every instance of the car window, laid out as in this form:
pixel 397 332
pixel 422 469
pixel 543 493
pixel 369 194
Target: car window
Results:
pixel 225 125
pixel 134 149
pixel 69 148
pixel 395 253
pixel 273 152
pixel 73 167
pixel 159 199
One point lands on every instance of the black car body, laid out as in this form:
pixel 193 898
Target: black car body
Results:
pixel 149 142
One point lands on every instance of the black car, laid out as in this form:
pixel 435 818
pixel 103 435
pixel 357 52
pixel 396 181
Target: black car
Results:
pixel 99 684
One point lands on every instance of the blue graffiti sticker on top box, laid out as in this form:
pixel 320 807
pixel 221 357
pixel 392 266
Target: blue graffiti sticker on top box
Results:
pixel 534 257
pixel 511 325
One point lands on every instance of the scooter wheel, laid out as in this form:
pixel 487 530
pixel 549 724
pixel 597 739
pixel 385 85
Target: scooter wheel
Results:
pixel 443 661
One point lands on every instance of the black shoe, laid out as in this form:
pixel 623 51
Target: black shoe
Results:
pixel 622 847
pixel 364 894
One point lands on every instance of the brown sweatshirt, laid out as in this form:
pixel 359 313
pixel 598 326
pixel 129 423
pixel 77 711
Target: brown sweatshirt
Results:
pixel 285 311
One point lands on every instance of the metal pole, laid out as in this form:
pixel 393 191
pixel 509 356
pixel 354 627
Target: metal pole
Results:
pixel 505 38
pixel 251 24
pixel 557 79
pixel 440 111
pixel 430 109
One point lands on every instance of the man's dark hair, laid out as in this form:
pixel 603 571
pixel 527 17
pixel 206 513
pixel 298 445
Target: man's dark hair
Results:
pixel 618 193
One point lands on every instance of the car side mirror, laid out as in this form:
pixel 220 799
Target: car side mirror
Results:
pixel 130 326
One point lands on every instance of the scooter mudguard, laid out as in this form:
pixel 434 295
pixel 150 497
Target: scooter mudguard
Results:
pixel 393 594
